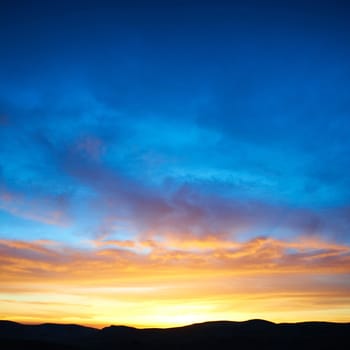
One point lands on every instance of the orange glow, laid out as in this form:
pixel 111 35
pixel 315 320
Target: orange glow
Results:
pixel 148 283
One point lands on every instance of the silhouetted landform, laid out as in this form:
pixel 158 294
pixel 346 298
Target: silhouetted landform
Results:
pixel 253 334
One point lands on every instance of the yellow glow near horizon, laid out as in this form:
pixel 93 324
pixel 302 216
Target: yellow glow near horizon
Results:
pixel 175 285
pixel 140 313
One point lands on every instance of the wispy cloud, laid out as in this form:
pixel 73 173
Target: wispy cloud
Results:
pixel 131 258
pixel 48 209
pixel 209 272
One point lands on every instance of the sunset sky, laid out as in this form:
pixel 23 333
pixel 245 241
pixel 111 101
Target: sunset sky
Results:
pixel 170 162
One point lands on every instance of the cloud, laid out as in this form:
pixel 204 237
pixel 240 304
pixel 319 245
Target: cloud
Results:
pixel 122 201
pixel 183 207
pixel 47 209
pixel 228 279
pixel 132 259
pixel 98 160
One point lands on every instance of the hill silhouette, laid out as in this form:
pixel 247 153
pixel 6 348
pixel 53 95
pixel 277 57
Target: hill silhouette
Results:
pixel 252 334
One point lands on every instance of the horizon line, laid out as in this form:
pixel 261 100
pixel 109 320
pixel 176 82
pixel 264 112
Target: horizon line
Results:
pixel 140 327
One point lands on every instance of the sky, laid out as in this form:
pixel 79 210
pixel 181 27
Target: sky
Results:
pixel 170 162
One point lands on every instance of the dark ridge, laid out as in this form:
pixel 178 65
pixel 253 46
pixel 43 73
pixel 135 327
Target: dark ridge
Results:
pixel 113 328
pixel 121 332
pixel 8 323
pixel 252 334
pixel 47 335
pixel 259 322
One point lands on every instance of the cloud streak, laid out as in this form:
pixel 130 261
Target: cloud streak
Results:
pixel 206 273
pixel 47 209
pixel 185 208
pixel 129 258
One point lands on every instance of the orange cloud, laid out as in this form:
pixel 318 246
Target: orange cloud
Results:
pixel 198 279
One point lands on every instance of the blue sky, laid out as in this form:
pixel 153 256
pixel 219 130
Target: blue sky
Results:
pixel 189 116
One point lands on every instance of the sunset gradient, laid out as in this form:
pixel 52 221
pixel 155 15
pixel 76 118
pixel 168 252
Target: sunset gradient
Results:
pixel 166 163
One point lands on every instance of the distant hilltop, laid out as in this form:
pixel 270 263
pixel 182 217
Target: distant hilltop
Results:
pixel 252 334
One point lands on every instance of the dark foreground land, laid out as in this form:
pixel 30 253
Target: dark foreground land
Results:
pixel 254 334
